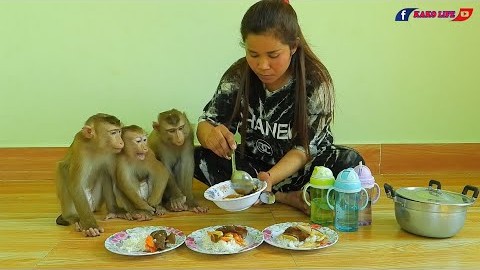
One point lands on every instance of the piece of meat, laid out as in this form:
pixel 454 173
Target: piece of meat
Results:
pixel 242 231
pixel 297 233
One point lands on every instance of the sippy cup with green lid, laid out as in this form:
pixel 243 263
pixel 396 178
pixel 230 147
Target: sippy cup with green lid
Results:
pixel 320 181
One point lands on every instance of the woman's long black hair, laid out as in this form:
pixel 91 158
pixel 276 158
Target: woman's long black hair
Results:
pixel 278 18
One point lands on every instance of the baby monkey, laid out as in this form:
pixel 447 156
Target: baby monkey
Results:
pixel 141 178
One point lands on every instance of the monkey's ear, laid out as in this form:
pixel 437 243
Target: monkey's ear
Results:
pixel 155 125
pixel 87 132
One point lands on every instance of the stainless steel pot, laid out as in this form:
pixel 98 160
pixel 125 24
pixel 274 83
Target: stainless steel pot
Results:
pixel 430 211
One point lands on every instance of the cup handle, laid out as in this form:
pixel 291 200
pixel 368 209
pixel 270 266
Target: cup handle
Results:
pixel 304 191
pixel 366 201
pixel 328 198
pixel 377 196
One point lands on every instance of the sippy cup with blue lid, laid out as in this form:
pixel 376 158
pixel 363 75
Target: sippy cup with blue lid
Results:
pixel 347 190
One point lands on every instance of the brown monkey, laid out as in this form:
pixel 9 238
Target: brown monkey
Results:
pixel 172 142
pixel 141 178
pixel 84 176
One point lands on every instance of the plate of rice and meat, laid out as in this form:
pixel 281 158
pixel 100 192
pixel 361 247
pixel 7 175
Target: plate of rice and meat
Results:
pixel 142 241
pixel 226 239
pixel 299 236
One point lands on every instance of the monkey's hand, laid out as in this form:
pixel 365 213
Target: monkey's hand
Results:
pixel 88 231
pixel 122 215
pixel 193 206
pixel 160 210
pixel 149 208
pixel 152 203
pixel 177 204
pixel 142 215
pixel 198 209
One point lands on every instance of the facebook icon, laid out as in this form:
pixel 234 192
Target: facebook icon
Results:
pixel 404 14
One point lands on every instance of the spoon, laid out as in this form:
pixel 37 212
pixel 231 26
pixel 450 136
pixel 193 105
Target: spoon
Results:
pixel 242 182
pixel 267 197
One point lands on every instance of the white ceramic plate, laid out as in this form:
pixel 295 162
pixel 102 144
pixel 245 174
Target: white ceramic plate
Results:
pixel 196 241
pixel 117 243
pixel 271 233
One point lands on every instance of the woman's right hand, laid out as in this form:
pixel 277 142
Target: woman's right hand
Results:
pixel 216 138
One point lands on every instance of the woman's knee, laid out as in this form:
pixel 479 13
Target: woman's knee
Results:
pixel 352 158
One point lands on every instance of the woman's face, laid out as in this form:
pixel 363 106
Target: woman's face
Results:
pixel 269 58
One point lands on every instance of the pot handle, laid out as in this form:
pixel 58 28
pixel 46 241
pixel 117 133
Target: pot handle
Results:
pixel 435 182
pixel 472 188
pixel 389 191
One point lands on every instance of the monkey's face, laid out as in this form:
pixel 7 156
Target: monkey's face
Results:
pixel 176 133
pixel 135 145
pixel 173 128
pixel 109 137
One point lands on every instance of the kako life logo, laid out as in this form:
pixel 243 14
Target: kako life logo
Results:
pixel 456 16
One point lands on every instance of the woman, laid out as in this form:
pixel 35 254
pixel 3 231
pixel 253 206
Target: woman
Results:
pixel 280 98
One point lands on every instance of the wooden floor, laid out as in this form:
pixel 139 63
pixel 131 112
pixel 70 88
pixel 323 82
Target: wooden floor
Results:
pixel 30 238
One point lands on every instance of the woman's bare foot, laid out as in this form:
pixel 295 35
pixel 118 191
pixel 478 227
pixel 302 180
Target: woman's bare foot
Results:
pixel 294 199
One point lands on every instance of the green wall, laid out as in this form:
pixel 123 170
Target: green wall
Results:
pixel 396 82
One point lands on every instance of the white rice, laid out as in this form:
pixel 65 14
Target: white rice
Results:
pixel 221 246
pixel 135 242
pixel 295 244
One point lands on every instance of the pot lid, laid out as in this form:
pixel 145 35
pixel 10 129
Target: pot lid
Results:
pixel 433 195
